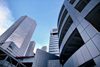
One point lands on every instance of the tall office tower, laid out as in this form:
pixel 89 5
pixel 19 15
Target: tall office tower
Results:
pixel 44 48
pixel 20 34
pixel 53 44
pixel 79 33
pixel 30 49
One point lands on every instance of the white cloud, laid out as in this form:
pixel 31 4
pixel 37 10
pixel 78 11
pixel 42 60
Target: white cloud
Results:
pixel 5 16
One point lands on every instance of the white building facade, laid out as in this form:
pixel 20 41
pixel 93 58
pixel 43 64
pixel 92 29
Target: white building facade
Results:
pixel 53 44
pixel 79 33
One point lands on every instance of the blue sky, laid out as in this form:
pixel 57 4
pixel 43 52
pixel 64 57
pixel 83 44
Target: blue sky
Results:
pixel 45 12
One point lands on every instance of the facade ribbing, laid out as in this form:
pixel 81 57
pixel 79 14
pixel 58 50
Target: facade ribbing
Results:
pixel 53 44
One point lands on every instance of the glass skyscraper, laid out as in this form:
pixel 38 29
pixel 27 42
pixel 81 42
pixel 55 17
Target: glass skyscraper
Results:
pixel 20 34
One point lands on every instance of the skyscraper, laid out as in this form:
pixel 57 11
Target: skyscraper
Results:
pixel 79 33
pixel 30 49
pixel 20 34
pixel 53 44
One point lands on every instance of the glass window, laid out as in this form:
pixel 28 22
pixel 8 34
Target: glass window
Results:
pixel 61 12
pixel 72 1
pixel 12 45
pixel 63 17
pixel 94 17
pixel 65 28
pixel 81 4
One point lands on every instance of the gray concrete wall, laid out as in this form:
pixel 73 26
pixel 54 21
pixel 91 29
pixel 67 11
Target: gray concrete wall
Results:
pixel 54 63
pixel 42 57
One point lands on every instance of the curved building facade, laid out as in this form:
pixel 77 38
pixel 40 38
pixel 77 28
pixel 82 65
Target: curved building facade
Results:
pixel 79 33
